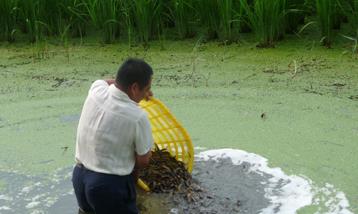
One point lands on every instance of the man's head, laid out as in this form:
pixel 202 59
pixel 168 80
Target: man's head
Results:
pixel 134 77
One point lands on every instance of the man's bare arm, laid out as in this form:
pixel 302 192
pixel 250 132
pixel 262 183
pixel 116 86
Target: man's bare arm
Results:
pixel 141 162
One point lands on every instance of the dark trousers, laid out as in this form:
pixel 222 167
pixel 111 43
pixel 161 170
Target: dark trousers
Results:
pixel 104 193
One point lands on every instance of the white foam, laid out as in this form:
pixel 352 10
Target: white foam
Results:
pixel 333 201
pixel 4 208
pixel 49 201
pixel 32 204
pixel 287 193
pixel 37 212
pixel 199 148
pixel 27 189
pixel 6 198
pixel 37 197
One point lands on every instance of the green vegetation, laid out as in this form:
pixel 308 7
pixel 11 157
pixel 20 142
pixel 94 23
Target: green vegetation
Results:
pixel 228 16
pixel 104 16
pixel 8 16
pixel 350 10
pixel 266 19
pixel 295 16
pixel 145 20
pixel 327 11
pixel 181 15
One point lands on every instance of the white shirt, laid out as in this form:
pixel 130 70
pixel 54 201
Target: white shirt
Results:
pixel 112 128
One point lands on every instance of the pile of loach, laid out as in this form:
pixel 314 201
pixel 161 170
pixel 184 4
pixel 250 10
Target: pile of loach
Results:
pixel 165 174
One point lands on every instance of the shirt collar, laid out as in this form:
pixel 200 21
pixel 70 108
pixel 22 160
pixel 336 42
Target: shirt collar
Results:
pixel 120 94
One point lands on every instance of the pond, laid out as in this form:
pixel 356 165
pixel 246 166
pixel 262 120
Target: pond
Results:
pixel 291 108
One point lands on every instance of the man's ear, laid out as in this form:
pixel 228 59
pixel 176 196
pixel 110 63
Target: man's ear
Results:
pixel 132 89
pixel 135 87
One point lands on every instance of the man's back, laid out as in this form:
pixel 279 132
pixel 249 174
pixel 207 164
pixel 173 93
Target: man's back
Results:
pixel 107 135
pixel 114 141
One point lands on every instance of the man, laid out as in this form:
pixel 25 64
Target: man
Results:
pixel 114 139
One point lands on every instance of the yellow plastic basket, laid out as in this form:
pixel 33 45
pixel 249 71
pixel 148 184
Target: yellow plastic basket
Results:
pixel 168 134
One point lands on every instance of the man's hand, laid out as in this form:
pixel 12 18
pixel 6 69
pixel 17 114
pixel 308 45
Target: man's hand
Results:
pixel 148 95
pixel 110 81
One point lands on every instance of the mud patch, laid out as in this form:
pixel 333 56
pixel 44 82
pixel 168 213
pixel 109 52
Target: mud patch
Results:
pixel 228 188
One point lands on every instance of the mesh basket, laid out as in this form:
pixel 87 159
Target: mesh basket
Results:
pixel 168 134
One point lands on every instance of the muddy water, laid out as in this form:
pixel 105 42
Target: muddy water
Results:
pixel 297 108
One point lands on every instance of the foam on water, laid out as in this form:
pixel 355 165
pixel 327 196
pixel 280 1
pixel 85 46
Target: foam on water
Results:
pixel 4 208
pixel 29 195
pixel 6 198
pixel 287 193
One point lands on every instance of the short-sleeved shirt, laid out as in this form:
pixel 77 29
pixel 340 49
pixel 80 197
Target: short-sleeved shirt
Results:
pixel 111 130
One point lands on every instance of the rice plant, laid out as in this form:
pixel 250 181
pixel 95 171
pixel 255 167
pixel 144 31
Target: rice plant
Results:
pixel 104 15
pixel 226 12
pixel 30 17
pixel 50 14
pixel 144 20
pixel 266 18
pixel 57 16
pixel 110 19
pixel 353 17
pixel 243 14
pixel 350 9
pixel 310 7
pixel 126 13
pixel 209 17
pixel 8 19
pixel 76 13
pixel 326 12
pixel 295 15
pixel 182 15
pixel 144 17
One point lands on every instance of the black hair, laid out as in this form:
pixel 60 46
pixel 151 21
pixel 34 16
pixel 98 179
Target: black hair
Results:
pixel 134 71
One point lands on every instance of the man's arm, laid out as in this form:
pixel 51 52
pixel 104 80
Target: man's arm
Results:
pixel 143 141
pixel 141 162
